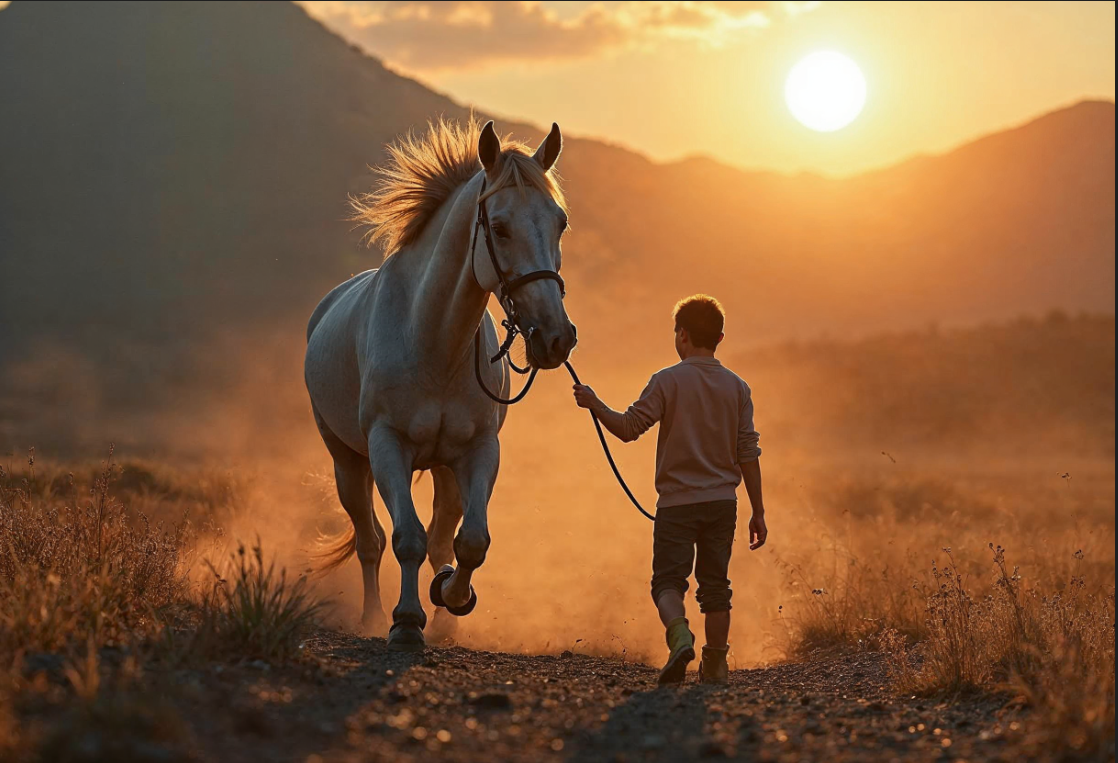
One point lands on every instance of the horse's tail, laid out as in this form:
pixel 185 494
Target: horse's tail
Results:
pixel 333 551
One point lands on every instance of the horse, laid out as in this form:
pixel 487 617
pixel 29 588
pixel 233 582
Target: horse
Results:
pixel 392 369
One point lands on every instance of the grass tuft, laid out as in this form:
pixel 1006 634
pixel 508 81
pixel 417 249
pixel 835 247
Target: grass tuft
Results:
pixel 254 612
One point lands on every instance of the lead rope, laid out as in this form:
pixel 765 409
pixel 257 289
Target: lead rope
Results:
pixel 605 449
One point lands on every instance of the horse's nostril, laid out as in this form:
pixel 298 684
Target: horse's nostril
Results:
pixel 562 344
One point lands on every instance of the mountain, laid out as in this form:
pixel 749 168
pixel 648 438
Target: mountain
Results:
pixel 169 165
pixel 1018 222
pixel 173 183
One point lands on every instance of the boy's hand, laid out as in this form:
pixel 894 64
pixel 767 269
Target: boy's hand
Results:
pixel 758 532
pixel 585 397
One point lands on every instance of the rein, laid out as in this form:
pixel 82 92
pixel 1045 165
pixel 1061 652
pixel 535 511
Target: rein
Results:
pixel 511 324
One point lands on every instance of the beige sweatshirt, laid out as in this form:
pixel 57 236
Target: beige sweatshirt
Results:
pixel 705 412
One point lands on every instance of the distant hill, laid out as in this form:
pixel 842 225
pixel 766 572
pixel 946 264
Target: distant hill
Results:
pixel 1015 223
pixel 173 179
pixel 1034 390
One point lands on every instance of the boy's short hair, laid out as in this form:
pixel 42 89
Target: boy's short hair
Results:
pixel 703 318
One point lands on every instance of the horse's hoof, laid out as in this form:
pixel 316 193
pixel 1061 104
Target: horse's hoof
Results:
pixel 437 594
pixel 437 585
pixel 466 608
pixel 406 638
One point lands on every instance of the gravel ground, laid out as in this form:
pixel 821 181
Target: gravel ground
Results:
pixel 357 701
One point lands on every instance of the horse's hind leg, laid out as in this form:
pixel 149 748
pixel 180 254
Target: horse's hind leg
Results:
pixel 440 543
pixel 355 490
pixel 355 486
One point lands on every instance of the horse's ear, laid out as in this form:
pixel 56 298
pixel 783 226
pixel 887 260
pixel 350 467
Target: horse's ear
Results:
pixel 488 147
pixel 549 150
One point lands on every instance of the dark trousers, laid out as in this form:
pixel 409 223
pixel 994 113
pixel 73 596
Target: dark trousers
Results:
pixel 680 530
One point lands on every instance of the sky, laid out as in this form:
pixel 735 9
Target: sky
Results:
pixel 677 79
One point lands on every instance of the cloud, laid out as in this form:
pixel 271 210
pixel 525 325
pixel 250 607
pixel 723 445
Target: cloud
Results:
pixel 422 35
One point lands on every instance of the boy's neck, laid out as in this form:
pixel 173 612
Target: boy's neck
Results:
pixel 698 352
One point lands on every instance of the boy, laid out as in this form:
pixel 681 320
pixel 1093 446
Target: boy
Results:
pixel 706 446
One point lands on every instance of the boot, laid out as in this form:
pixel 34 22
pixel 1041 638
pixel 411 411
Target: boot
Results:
pixel 681 644
pixel 713 668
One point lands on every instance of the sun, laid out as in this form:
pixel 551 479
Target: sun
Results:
pixel 825 91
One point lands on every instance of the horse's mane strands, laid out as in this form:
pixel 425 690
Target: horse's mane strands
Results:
pixel 423 171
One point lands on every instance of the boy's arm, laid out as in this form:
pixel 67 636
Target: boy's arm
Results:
pixel 634 422
pixel 749 452
pixel 613 421
pixel 758 530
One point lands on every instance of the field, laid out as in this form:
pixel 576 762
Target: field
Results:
pixel 924 595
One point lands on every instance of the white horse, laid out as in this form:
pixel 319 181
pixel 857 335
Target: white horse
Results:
pixel 390 356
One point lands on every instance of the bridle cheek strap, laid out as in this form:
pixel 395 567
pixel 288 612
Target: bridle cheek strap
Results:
pixel 505 289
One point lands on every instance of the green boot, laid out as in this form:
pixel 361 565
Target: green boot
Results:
pixel 681 644
pixel 713 668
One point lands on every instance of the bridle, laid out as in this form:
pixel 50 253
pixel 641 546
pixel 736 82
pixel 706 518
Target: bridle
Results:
pixel 505 290
pixel 511 324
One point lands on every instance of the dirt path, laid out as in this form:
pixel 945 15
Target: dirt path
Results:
pixel 364 703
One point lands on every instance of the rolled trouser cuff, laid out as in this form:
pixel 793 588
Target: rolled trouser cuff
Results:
pixel 717 600
pixel 662 585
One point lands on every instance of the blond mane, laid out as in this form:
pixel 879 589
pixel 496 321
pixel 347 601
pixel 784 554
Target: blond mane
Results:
pixel 423 171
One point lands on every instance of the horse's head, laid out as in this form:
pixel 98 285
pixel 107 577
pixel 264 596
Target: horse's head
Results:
pixel 527 218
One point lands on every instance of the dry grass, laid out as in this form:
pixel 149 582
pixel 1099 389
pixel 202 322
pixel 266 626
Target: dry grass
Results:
pixel 1054 649
pixel 967 620
pixel 95 596
pixel 252 611
pixel 82 573
pixel 86 577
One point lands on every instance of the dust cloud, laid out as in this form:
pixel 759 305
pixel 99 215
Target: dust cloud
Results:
pixel 878 453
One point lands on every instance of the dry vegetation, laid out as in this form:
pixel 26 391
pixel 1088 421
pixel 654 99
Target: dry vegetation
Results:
pixel 888 518
pixel 96 597
pixel 1033 624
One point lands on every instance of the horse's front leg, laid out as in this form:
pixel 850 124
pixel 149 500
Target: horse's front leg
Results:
pixel 476 473
pixel 392 470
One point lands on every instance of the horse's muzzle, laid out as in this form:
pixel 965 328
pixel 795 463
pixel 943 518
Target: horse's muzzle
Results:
pixel 551 348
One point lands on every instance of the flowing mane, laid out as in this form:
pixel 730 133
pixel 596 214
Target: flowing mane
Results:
pixel 423 171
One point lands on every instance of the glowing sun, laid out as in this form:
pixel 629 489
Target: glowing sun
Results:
pixel 825 91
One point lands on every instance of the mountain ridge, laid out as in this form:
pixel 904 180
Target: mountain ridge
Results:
pixel 179 172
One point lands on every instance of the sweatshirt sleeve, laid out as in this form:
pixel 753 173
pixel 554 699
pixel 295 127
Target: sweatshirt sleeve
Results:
pixel 748 449
pixel 646 411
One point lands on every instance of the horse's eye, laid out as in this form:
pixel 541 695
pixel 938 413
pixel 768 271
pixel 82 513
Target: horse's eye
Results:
pixel 500 231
